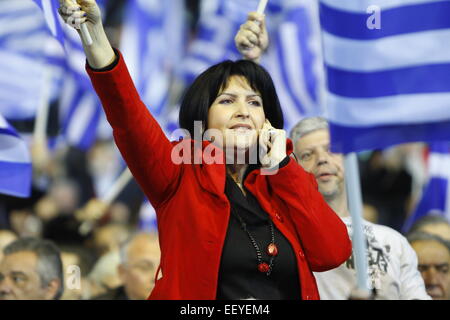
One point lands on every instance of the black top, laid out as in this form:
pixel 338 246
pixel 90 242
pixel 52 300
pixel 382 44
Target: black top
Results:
pixel 239 277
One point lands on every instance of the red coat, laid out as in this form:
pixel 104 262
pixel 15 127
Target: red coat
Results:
pixel 193 210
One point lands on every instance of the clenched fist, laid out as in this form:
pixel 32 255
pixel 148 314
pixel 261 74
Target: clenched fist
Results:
pixel 74 13
pixel 252 38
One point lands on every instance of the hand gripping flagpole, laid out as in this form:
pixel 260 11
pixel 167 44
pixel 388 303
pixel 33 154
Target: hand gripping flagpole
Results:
pixel 358 238
pixel 85 35
pixel 260 10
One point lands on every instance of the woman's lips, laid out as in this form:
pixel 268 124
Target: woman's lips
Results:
pixel 242 129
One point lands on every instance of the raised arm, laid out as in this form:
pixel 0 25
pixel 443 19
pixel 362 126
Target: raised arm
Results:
pixel 138 136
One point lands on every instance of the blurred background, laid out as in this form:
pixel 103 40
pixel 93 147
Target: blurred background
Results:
pixel 47 100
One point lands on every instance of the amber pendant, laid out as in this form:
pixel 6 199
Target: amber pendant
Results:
pixel 263 267
pixel 272 249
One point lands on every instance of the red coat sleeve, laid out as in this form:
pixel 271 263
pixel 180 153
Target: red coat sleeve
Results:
pixel 322 233
pixel 140 139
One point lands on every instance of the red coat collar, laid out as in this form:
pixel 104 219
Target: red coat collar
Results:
pixel 212 174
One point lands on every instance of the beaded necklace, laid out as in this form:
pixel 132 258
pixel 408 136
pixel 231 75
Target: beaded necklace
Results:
pixel 272 249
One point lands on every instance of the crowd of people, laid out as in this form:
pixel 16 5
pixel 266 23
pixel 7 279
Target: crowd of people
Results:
pixel 45 254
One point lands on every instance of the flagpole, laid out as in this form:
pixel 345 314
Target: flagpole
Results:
pixel 355 205
pixel 109 197
pixel 260 10
pixel 40 123
pixel 261 6
pixel 85 35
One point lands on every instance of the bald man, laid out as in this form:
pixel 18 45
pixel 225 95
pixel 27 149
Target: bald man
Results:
pixel 139 260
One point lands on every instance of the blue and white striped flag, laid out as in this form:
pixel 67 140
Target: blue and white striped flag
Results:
pixel 54 21
pixel 23 38
pixel 80 108
pixel 436 195
pixel 15 162
pixel 389 85
pixel 153 43
pixel 293 60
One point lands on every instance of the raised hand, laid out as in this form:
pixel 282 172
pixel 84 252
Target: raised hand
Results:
pixel 99 53
pixel 252 38
pixel 74 13
pixel 272 143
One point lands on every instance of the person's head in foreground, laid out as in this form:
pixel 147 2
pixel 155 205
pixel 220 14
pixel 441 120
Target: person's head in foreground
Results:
pixel 233 101
pixel 311 140
pixel 433 254
pixel 31 269
pixel 139 259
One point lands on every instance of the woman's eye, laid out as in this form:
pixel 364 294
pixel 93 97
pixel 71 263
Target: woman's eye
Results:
pixel 226 101
pixel 255 103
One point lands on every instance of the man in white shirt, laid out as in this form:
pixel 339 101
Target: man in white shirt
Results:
pixel 392 263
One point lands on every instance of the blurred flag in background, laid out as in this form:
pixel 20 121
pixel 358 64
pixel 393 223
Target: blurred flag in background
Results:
pixel 436 194
pixel 79 107
pixel 391 84
pixel 15 162
pixel 293 58
pixel 23 39
pixel 153 42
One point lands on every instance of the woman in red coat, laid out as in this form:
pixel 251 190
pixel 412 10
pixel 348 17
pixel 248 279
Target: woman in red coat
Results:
pixel 228 229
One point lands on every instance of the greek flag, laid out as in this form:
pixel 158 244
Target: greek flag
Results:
pixel 388 71
pixel 15 162
pixel 293 60
pixel 23 38
pixel 80 108
pixel 54 21
pixel 153 43
pixel 436 195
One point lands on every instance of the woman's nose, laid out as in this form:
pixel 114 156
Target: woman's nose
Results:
pixel 242 110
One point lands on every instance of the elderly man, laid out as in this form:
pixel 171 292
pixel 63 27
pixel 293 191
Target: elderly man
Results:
pixel 139 259
pixel 392 263
pixel 434 263
pixel 31 269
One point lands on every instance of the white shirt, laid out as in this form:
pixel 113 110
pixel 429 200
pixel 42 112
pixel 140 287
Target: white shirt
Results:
pixel 392 268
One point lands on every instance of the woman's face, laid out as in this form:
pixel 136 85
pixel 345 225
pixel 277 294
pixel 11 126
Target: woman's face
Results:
pixel 237 114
